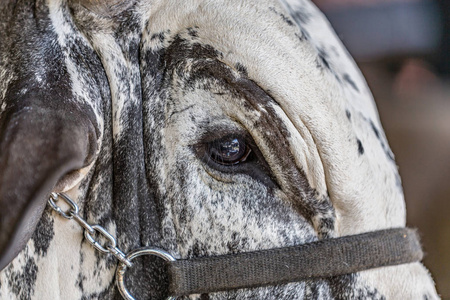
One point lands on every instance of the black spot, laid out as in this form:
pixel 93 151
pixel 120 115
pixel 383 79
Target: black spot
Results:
pixel 326 226
pixel 389 154
pixel 360 147
pixel 301 37
pixel 313 289
pixel 305 33
pixel 159 36
pixel 351 82
pixel 183 216
pixel 285 19
pixel 30 270
pixel 198 250
pixel 345 287
pixel 324 61
pixel 43 234
pixel 340 285
pixel 323 58
pixel 300 16
pixel 233 245
pixel 240 67
pixel 385 147
pixel 23 282
pixel 192 32
pixel 348 114
pixel 375 130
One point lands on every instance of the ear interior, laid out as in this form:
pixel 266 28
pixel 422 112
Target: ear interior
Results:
pixel 38 146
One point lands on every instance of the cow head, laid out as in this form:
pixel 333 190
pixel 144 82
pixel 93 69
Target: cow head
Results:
pixel 200 127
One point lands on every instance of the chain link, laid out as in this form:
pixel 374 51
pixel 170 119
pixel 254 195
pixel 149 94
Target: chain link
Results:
pixel 89 230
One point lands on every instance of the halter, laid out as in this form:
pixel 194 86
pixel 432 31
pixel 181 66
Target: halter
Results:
pixel 320 259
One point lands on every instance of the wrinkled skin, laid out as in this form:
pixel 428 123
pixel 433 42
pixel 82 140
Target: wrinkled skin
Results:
pixel 118 111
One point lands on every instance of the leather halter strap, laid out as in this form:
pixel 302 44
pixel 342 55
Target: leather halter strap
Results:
pixel 325 258
pixel 320 259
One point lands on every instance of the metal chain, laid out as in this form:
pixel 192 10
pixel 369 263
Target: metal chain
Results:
pixel 89 230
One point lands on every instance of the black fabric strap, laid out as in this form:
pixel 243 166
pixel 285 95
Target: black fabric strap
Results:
pixel 319 259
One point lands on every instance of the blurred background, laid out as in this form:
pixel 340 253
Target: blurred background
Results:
pixel 403 49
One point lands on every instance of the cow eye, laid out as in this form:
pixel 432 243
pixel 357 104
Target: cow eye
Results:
pixel 233 153
pixel 228 151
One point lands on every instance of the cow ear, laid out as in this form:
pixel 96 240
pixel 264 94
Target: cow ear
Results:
pixel 40 142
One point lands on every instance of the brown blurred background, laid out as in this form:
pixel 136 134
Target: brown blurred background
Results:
pixel 403 49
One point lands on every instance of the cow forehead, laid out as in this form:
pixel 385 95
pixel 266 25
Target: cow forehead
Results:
pixel 277 42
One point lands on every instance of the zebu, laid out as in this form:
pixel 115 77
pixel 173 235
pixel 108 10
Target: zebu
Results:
pixel 199 127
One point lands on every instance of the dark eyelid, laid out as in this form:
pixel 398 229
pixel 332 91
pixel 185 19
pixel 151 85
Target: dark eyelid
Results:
pixel 219 133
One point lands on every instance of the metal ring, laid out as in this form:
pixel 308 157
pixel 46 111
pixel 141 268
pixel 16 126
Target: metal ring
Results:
pixel 122 267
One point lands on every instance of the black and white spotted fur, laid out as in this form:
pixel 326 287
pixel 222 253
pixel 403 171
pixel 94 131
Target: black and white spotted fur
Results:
pixel 121 104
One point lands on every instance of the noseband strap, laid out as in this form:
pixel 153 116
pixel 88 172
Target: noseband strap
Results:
pixel 325 258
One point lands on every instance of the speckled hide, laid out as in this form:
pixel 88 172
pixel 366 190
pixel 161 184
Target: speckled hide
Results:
pixel 115 108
